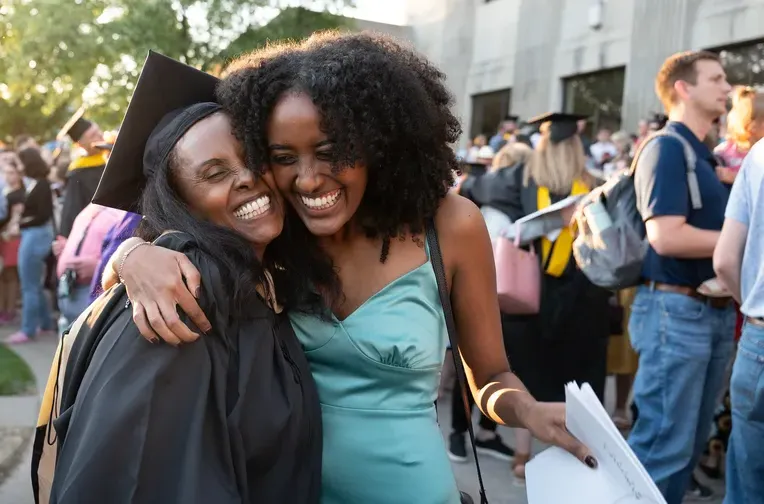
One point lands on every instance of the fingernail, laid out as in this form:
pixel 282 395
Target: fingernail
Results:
pixel 154 340
pixel 198 292
pixel 207 329
pixel 591 461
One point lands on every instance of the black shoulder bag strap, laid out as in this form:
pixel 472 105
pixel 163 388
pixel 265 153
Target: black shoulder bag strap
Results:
pixel 436 258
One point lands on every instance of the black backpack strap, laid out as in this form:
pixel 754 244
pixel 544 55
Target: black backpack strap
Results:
pixel 436 259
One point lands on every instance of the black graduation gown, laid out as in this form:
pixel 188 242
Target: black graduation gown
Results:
pixel 81 185
pixel 567 340
pixel 231 418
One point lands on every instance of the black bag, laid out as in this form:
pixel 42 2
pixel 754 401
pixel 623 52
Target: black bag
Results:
pixel 436 258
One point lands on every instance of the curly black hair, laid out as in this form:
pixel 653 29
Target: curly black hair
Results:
pixel 382 104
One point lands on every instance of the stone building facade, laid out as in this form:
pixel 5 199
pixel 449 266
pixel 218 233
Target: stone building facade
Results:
pixel 596 56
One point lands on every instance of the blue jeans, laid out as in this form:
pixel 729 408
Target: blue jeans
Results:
pixel 684 346
pixel 34 249
pixel 745 451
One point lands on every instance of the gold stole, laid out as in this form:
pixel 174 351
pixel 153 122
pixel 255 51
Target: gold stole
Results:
pixel 556 255
pixel 88 162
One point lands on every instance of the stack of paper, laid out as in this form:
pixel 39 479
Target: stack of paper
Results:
pixel 557 477
pixel 546 222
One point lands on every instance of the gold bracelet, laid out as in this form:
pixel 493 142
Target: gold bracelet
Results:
pixel 127 254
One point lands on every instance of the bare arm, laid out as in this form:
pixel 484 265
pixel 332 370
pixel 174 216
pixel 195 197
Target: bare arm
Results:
pixel 111 271
pixel 728 256
pixel 672 236
pixel 476 310
pixel 468 258
pixel 158 282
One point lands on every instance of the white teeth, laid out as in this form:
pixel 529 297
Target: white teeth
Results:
pixel 323 202
pixel 253 209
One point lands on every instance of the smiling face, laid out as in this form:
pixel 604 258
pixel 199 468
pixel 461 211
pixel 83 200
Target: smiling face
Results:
pixel 212 178
pixel 301 159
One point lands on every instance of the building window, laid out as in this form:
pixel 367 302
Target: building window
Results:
pixel 598 95
pixel 488 109
pixel 744 63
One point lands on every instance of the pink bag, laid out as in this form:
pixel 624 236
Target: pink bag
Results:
pixel 518 277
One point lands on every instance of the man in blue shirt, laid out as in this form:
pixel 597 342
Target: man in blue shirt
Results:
pixel 739 263
pixel 684 339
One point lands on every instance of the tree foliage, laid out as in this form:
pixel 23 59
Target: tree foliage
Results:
pixel 58 54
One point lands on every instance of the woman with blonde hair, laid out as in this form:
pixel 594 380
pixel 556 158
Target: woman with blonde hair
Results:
pixel 567 340
pixel 745 127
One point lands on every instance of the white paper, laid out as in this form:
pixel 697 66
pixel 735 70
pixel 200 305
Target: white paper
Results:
pixel 551 209
pixel 544 222
pixel 556 476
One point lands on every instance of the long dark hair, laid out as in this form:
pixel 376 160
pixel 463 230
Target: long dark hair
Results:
pixel 235 257
pixel 34 165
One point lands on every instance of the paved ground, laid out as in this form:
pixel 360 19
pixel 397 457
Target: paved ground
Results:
pixel 501 487
pixel 22 411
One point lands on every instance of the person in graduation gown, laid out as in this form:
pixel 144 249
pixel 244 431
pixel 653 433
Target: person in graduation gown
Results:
pixel 567 340
pixel 234 417
pixel 84 172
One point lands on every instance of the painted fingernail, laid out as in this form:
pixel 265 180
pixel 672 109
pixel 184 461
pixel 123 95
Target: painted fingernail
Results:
pixel 591 461
pixel 198 292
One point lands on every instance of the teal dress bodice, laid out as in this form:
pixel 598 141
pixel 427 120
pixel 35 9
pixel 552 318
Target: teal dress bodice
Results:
pixel 377 373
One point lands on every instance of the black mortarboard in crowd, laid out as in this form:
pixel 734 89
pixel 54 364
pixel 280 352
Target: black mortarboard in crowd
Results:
pixel 169 98
pixel 562 127
pixel 511 117
pixel 75 127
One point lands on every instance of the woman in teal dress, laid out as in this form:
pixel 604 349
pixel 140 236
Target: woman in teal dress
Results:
pixel 357 130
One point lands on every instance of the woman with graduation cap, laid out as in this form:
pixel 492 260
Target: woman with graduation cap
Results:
pixel 232 418
pixel 567 340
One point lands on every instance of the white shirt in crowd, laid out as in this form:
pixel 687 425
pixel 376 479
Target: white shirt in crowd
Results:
pixel 599 150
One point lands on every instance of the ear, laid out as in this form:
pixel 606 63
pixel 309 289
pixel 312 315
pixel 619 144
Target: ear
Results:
pixel 681 88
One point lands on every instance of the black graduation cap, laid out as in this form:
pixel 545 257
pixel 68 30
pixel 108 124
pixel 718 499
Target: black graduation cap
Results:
pixel 169 98
pixel 563 126
pixel 75 127
pixel 511 117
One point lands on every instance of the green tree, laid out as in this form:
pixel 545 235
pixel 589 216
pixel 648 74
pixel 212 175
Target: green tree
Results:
pixel 55 55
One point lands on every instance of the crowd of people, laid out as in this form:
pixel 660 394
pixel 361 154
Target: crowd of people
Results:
pixel 290 246
pixel 667 343
pixel 53 237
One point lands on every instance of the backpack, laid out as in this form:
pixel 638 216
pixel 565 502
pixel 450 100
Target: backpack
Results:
pixel 613 258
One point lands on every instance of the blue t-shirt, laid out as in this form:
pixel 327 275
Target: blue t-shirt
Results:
pixel 661 188
pixel 746 205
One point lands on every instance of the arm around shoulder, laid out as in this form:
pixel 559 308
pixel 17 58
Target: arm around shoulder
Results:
pixel 158 280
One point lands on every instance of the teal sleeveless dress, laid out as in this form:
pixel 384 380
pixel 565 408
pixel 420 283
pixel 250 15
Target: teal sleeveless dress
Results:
pixel 377 373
